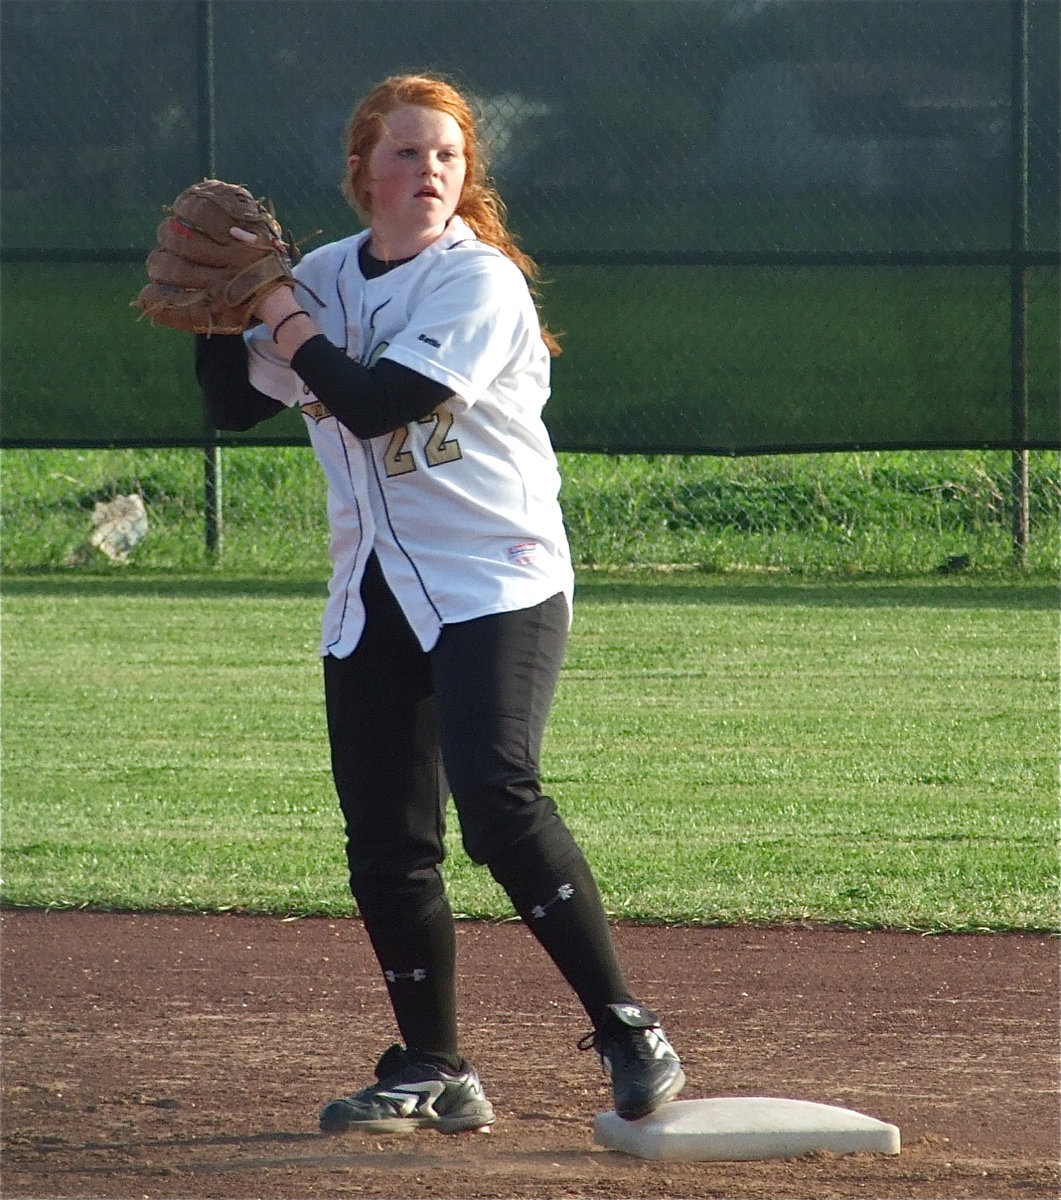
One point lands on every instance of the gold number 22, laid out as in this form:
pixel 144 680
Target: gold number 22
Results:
pixel 439 448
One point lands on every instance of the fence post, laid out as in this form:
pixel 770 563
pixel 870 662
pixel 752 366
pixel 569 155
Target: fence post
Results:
pixel 213 519
pixel 1019 286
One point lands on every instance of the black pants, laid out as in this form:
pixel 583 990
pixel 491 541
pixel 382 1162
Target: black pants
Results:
pixel 467 718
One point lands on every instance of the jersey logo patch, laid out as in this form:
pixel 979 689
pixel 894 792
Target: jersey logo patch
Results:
pixel 430 341
pixel 316 411
pixel 523 553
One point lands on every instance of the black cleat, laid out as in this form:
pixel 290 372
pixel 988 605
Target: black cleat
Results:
pixel 412 1095
pixel 644 1070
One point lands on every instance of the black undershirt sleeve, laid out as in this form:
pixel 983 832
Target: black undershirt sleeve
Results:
pixel 221 369
pixel 369 401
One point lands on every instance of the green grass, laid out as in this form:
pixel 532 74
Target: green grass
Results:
pixel 274 513
pixel 727 749
pixel 811 515
pixel 895 514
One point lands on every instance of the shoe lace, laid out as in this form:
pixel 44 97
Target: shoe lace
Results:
pixel 592 1041
pixel 629 1045
pixel 589 1041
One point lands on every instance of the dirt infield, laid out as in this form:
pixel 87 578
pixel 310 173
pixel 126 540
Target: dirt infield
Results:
pixel 159 1056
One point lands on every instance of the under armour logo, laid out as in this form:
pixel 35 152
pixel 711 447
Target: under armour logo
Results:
pixel 415 1097
pixel 417 975
pixel 564 892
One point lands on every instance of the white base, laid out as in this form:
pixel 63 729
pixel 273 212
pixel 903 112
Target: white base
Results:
pixel 744 1128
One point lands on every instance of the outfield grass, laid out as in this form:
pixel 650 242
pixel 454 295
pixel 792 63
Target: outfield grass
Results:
pixel 727 749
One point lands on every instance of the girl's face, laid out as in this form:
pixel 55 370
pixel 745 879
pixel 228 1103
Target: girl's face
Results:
pixel 415 175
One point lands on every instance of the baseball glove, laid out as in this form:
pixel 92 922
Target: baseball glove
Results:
pixel 202 279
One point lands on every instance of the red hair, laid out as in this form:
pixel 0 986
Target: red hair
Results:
pixel 480 204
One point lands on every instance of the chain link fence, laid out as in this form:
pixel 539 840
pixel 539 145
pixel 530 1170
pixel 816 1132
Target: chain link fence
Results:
pixel 887 513
pixel 804 253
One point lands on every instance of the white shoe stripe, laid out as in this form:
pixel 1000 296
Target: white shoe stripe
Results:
pixel 411 1097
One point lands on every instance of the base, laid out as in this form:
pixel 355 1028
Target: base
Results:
pixel 744 1128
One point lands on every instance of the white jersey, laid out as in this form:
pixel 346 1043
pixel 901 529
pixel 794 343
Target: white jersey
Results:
pixel 462 507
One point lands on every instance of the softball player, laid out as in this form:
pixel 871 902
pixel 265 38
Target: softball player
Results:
pixel 416 357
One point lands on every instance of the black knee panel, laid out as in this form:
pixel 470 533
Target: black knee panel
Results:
pixel 535 859
pixel 401 901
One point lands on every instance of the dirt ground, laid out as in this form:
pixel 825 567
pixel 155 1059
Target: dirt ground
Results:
pixel 155 1056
